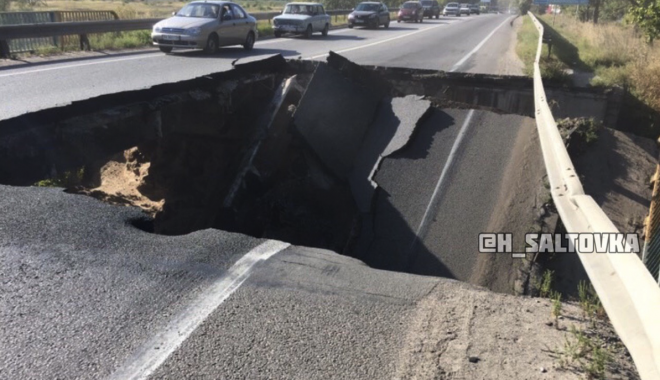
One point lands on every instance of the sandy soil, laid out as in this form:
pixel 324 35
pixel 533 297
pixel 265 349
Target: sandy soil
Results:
pixel 507 337
pixel 120 180
pixel 519 206
pixel 510 63
pixel 521 196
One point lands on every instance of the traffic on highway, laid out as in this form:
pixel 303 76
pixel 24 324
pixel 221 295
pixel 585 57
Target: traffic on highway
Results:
pixel 210 25
pixel 294 207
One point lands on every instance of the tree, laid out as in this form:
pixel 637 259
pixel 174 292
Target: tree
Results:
pixel 646 16
pixel 524 6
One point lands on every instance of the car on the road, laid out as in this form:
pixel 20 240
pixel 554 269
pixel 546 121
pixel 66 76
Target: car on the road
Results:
pixel 465 9
pixel 411 11
pixel 206 25
pixel 431 8
pixel 452 9
pixel 475 9
pixel 302 18
pixel 370 14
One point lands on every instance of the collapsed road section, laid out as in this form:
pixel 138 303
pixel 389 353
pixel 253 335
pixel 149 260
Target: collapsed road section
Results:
pixel 329 155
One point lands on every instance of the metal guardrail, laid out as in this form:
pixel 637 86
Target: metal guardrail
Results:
pixel 628 292
pixel 30 44
pixel 44 26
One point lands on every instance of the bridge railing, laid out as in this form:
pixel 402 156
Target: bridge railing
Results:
pixel 27 31
pixel 628 292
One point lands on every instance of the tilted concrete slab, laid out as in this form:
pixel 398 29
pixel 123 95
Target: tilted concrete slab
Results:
pixel 334 116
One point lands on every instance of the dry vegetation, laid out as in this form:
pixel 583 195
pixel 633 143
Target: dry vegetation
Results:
pixel 615 53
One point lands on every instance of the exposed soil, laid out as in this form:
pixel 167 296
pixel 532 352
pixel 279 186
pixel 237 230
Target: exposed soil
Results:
pixel 121 179
pixel 506 337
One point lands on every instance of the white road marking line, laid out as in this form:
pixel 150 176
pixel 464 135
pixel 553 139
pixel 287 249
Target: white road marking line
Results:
pixel 79 65
pixel 462 61
pixel 443 176
pixel 146 360
pixel 112 60
pixel 377 42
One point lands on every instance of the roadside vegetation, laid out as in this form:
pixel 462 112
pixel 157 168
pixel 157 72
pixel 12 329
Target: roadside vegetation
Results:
pixel 612 45
pixel 589 349
pixel 129 9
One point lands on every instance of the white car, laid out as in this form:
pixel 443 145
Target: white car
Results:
pixel 452 9
pixel 206 25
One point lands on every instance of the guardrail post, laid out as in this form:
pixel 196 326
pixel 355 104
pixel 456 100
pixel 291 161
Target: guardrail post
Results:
pixel 547 39
pixel 84 43
pixel 4 49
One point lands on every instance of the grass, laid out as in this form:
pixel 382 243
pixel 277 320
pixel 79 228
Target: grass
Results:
pixel 137 9
pixel 586 353
pixel 615 53
pixel 140 9
pixel 552 68
pixel 68 179
pixel 545 288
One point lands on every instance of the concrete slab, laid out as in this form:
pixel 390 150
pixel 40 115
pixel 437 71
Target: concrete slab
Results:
pixel 395 123
pixel 334 116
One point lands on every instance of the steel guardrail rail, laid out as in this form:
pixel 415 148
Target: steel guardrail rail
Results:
pixel 628 292
pixel 53 29
pixel 10 32
pixel 82 28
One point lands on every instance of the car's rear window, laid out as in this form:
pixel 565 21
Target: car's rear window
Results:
pixel 409 5
pixel 427 3
pixel 300 9
pixel 367 7
pixel 452 5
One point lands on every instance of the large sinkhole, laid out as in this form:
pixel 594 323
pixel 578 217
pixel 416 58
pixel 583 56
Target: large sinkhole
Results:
pixel 287 150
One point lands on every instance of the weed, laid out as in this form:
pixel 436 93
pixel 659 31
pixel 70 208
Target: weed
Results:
pixel 67 179
pixel 589 302
pixel 545 290
pixel 556 307
pixel 586 353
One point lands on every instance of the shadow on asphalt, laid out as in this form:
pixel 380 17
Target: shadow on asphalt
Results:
pixel 318 37
pixel 235 52
pixel 389 239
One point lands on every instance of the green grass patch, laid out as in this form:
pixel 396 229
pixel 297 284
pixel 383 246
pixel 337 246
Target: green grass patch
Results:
pixel 552 68
pixel 264 28
pixel 121 40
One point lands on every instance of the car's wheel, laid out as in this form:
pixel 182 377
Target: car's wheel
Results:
pixel 211 44
pixel 277 34
pixel 249 41
pixel 421 19
pixel 398 21
pixel 308 32
pixel 166 49
pixel 387 23
pixel 326 28
pixel 350 26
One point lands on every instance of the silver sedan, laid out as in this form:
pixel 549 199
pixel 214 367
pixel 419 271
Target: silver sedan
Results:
pixel 206 25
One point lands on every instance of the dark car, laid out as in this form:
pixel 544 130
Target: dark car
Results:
pixel 431 8
pixel 474 9
pixel 369 14
pixel 411 11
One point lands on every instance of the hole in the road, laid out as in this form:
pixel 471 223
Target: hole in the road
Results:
pixel 273 149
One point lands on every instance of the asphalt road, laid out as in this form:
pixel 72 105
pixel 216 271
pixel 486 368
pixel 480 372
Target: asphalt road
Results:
pixel 87 295
pixel 448 43
pixel 453 167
